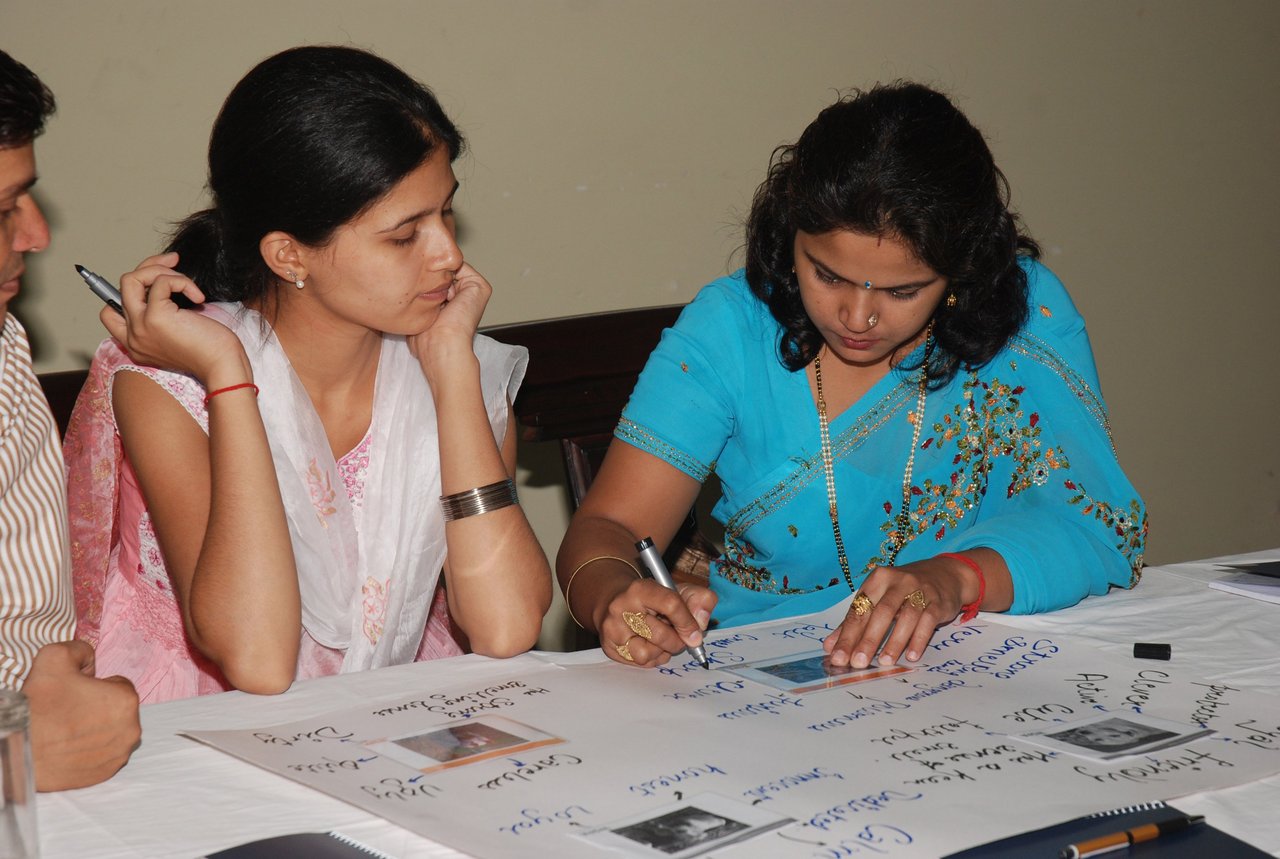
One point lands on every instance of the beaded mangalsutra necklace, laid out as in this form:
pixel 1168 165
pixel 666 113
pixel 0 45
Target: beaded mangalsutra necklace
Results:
pixel 903 519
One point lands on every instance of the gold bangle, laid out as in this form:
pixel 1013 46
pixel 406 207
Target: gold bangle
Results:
pixel 578 569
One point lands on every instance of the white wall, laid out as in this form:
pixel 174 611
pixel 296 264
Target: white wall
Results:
pixel 615 146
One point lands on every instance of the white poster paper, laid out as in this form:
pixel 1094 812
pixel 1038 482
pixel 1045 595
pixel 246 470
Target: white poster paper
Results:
pixel 918 764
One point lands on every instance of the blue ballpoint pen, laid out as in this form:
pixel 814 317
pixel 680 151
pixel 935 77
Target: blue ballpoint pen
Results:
pixel 653 561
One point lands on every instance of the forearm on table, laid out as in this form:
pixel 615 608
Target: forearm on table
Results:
pixel 1052 563
pixel 499 584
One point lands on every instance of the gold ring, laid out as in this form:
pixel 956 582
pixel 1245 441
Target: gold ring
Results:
pixel 636 620
pixel 862 604
pixel 917 600
pixel 624 651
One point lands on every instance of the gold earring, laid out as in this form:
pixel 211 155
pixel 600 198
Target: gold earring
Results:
pixel 951 300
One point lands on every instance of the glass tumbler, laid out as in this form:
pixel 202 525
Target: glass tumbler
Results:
pixel 18 838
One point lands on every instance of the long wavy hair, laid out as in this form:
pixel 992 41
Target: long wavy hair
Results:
pixel 305 142
pixel 898 161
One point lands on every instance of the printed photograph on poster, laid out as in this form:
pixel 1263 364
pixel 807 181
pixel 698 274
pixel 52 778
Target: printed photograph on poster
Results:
pixel 1107 736
pixel 690 828
pixel 463 742
pixel 810 672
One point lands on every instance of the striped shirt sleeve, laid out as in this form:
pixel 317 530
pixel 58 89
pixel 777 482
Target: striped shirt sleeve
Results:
pixel 35 590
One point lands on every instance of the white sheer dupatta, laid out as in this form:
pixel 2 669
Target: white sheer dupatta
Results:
pixel 370 593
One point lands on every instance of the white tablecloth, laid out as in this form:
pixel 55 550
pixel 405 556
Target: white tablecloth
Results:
pixel 178 798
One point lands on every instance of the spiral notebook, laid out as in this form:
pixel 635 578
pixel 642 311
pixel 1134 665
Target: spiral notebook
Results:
pixel 1197 842
pixel 311 845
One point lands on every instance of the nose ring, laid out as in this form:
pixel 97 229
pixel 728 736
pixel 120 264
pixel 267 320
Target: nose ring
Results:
pixel 872 320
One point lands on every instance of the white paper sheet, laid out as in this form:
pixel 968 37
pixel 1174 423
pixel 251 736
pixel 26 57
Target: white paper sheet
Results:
pixel 911 765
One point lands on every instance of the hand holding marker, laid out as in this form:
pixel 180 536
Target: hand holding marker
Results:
pixel 650 558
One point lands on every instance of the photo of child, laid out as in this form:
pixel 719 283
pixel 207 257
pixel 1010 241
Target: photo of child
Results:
pixel 1112 735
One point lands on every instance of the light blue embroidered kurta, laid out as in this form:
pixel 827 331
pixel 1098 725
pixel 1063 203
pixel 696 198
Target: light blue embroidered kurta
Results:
pixel 1015 456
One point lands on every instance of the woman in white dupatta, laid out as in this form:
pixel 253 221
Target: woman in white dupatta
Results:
pixel 329 437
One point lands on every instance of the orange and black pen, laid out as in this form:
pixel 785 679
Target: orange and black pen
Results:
pixel 1122 840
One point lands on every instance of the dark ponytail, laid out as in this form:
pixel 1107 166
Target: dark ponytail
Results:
pixel 198 242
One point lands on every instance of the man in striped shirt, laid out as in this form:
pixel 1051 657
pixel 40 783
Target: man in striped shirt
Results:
pixel 83 728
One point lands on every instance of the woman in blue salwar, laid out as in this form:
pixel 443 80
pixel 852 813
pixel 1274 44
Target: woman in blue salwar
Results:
pixel 898 399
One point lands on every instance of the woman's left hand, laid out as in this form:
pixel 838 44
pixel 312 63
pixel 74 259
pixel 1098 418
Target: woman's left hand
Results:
pixel 451 334
pixel 908 603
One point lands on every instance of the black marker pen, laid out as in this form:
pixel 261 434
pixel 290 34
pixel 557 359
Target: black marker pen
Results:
pixel 102 288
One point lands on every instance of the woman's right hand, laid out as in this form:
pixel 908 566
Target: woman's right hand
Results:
pixel 635 494
pixel 157 332
pixel 675 620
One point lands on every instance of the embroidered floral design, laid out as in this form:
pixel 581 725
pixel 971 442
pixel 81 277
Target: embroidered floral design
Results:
pixel 353 469
pixel 374 607
pixel 151 571
pixel 736 563
pixel 153 608
pixel 736 566
pixel 322 492
pixel 987 425
pixel 1130 527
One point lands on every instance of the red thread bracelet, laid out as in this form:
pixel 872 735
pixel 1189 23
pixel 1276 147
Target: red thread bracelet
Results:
pixel 209 396
pixel 970 611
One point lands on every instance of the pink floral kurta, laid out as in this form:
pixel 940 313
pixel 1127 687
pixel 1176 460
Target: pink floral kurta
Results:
pixel 132 616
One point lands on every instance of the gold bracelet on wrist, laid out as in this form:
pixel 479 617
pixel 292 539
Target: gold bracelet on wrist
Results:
pixel 578 569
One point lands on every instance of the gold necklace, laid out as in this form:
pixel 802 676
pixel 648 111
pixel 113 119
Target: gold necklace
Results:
pixel 903 520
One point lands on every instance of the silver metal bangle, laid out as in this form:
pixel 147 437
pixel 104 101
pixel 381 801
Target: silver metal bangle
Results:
pixel 482 499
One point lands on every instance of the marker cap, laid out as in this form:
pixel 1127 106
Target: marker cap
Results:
pixel 1143 650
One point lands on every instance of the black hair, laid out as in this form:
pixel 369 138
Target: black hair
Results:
pixel 899 161
pixel 306 141
pixel 25 103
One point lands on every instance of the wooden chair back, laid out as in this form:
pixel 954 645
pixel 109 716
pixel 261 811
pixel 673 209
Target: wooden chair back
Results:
pixel 581 373
pixel 61 390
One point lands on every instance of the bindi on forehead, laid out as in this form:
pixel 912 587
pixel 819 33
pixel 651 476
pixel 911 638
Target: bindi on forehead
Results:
pixel 914 282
